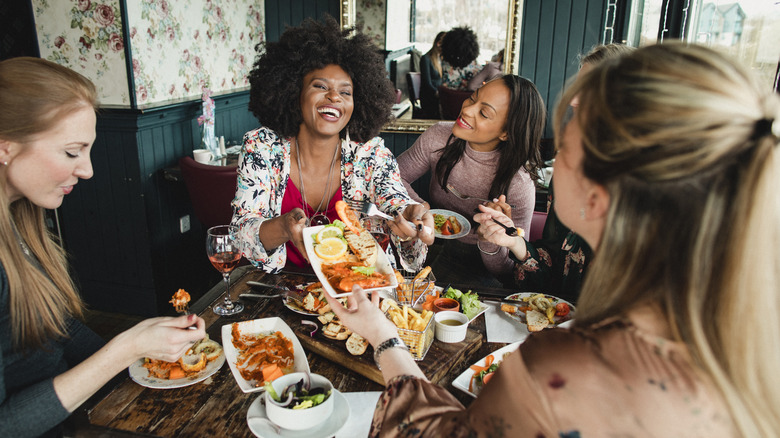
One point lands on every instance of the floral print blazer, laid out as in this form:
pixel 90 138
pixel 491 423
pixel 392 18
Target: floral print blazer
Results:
pixel 369 172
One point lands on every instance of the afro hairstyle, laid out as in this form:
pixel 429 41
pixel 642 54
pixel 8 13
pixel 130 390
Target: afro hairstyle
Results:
pixel 276 79
pixel 460 47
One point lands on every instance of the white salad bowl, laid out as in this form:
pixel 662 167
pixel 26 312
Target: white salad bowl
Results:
pixel 299 419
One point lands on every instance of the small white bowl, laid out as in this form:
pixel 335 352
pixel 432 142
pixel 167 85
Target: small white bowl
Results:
pixel 451 326
pixel 299 419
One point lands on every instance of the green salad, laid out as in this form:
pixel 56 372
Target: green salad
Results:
pixel 469 301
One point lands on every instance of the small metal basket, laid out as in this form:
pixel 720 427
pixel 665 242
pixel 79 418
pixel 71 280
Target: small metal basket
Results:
pixel 411 292
pixel 418 341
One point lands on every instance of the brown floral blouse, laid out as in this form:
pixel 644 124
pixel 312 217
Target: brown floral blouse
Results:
pixel 608 380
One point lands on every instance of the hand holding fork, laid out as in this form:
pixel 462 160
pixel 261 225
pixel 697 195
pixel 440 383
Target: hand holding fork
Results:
pixel 370 209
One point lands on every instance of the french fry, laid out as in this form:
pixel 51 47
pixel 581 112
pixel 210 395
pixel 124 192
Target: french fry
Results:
pixel 423 274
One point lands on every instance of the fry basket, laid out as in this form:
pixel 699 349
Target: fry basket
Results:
pixel 412 293
pixel 418 341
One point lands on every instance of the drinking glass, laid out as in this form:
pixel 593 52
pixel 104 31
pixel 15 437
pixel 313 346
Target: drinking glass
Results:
pixel 376 227
pixel 223 247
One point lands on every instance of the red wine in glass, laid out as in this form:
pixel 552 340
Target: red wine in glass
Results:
pixel 382 239
pixel 223 248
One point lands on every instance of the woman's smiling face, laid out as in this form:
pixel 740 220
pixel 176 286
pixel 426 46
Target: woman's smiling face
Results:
pixel 326 100
pixel 482 120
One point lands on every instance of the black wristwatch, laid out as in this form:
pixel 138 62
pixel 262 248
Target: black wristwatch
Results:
pixel 386 345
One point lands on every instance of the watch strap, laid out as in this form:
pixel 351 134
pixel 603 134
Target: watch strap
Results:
pixel 386 345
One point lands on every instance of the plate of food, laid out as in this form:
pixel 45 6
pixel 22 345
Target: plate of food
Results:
pixel 262 349
pixel 537 311
pixel 449 225
pixel 200 362
pixel 474 378
pixel 342 257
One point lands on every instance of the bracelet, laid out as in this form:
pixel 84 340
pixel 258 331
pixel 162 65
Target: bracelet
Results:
pixel 386 345
pixel 485 252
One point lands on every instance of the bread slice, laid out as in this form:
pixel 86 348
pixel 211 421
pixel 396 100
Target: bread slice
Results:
pixel 536 320
pixel 356 345
pixel 363 245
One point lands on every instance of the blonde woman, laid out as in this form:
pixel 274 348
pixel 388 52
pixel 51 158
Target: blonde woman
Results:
pixel 669 169
pixel 50 362
pixel 430 75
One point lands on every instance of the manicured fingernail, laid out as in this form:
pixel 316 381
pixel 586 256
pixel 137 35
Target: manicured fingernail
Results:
pixel 191 318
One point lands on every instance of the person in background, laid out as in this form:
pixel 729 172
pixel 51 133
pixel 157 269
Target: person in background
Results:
pixel 491 150
pixel 50 362
pixel 430 75
pixel 493 69
pixel 459 51
pixel 557 262
pixel 321 96
pixel 673 150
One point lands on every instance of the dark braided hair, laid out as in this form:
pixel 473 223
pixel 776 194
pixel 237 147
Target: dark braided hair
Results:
pixel 460 47
pixel 525 120
pixel 276 78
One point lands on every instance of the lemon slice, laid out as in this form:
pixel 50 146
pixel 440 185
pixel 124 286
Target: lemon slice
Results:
pixel 330 248
pixel 329 232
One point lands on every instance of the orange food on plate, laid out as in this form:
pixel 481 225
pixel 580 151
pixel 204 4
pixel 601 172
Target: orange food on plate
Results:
pixel 348 216
pixel 342 277
pixel 256 352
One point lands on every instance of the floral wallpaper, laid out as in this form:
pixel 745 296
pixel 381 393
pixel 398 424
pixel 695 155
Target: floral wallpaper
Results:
pixel 177 48
pixel 86 36
pixel 370 17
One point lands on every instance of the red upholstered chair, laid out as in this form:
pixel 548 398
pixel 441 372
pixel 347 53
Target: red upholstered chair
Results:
pixel 211 188
pixel 451 101
pixel 537 225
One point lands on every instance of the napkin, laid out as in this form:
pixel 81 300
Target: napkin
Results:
pixel 502 328
pixel 361 407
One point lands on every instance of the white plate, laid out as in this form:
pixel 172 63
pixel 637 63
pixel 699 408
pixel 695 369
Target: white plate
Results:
pixel 520 316
pixel 382 264
pixel 255 326
pixel 140 375
pixel 464 223
pixel 329 428
pixel 463 380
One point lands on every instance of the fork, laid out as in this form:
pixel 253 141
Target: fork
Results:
pixel 462 196
pixel 370 209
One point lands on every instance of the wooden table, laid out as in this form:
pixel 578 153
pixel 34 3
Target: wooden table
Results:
pixel 217 406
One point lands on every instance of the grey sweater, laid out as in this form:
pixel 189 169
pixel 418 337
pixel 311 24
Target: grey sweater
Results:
pixel 472 175
pixel 29 407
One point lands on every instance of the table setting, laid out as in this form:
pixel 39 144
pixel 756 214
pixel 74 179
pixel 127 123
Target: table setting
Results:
pixel 283 322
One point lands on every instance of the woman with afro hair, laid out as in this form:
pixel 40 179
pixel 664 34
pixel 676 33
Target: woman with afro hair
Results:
pixel 459 51
pixel 321 96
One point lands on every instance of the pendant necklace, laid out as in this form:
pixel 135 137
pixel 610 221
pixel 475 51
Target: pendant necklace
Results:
pixel 318 218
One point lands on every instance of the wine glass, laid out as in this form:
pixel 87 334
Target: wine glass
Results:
pixel 377 229
pixel 223 247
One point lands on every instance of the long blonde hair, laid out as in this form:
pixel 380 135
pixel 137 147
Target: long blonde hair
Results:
pixel 682 139
pixel 34 95
pixel 435 52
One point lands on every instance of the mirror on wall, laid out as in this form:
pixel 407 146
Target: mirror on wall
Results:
pixel 374 16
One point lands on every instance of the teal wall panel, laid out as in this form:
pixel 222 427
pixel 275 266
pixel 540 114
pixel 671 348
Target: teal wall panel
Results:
pixel 554 33
pixel 282 13
pixel 121 228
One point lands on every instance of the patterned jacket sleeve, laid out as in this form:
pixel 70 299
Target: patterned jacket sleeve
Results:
pixel 371 173
pixel 262 178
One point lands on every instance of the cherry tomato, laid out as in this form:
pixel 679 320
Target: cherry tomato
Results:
pixel 562 309
pixel 447 229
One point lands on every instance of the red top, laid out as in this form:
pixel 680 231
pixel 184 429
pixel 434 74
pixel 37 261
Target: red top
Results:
pixel 293 199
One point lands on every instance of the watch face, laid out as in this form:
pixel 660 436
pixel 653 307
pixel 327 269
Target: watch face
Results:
pixel 390 343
